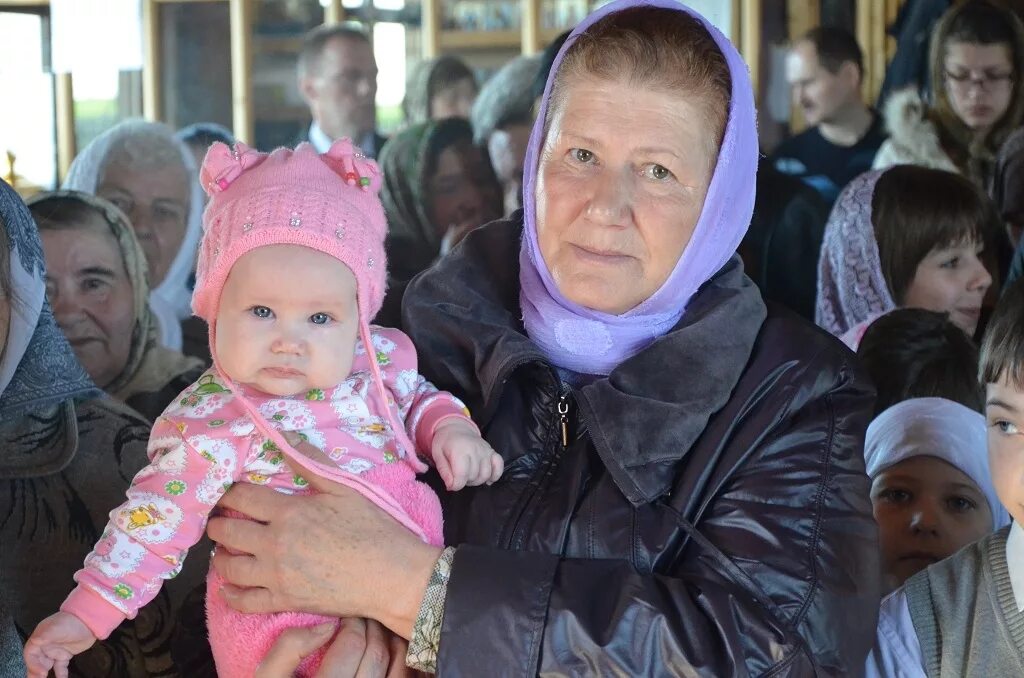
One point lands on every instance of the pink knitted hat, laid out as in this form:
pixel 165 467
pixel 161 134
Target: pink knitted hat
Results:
pixel 327 202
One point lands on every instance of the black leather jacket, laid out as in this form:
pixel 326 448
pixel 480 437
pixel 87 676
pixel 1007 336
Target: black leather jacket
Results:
pixel 702 511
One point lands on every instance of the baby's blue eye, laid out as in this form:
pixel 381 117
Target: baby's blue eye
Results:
pixel 261 312
pixel 320 318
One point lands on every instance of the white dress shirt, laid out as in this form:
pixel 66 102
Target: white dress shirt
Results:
pixel 322 142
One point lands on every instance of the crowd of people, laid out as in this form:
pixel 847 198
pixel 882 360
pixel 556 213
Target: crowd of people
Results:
pixel 565 377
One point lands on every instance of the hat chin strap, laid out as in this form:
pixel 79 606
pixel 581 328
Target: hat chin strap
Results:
pixel 351 480
pixel 397 426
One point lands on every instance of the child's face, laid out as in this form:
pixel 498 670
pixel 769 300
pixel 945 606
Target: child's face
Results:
pixel 288 320
pixel 926 510
pixel 1004 414
pixel 951 280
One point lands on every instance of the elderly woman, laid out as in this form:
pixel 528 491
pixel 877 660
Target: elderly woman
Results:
pixel 438 186
pixel 67 457
pixel 502 118
pixel 150 176
pixel 684 491
pixel 97 286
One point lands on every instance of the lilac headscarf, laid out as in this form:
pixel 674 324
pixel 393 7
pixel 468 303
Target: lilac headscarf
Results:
pixel 852 290
pixel 586 341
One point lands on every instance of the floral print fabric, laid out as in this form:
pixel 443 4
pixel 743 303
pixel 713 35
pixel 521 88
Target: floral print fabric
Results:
pixel 205 441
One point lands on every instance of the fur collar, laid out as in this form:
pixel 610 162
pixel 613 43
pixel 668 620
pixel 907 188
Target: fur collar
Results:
pixel 913 139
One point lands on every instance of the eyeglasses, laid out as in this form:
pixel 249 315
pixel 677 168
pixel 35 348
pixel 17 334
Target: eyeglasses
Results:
pixel 986 82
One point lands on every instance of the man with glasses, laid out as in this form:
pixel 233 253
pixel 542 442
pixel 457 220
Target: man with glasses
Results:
pixel 825 70
pixel 338 80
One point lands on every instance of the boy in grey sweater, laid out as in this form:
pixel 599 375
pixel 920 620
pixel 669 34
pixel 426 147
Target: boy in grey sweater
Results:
pixel 964 616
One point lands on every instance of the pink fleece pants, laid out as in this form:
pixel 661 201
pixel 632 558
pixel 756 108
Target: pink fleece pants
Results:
pixel 240 641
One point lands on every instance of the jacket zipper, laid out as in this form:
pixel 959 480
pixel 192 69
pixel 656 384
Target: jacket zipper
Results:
pixel 563 416
pixel 542 474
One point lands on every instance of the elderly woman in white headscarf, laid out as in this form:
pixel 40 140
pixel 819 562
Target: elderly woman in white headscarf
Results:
pixel 931 489
pixel 149 175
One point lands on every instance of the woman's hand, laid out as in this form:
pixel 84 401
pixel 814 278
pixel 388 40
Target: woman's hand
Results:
pixel 333 553
pixel 361 649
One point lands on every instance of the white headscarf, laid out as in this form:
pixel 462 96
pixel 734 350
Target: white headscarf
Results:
pixel 171 300
pixel 934 427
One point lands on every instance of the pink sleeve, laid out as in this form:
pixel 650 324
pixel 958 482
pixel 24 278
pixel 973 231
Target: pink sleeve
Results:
pixel 420 404
pixel 149 535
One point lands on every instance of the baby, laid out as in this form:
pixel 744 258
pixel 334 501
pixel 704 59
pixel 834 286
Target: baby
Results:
pixel 291 270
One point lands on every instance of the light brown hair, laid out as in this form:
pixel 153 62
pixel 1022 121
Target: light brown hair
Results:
pixel 983 23
pixel 657 48
pixel 1002 350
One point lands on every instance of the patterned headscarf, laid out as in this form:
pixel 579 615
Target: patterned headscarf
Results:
pixel 38 367
pixel 150 366
pixel 413 242
pixel 851 286
pixel 171 300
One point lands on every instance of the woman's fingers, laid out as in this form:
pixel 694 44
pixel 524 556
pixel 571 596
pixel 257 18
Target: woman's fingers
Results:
pixel 240 570
pixel 257 502
pixel 399 648
pixel 343 656
pixel 238 534
pixel 250 600
pixel 377 654
pixel 291 647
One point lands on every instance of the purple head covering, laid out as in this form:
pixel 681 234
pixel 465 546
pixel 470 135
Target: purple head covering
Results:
pixel 586 341
pixel 851 287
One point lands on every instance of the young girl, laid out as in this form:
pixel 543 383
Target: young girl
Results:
pixel 291 270
pixel 930 486
pixel 976 60
pixel 904 237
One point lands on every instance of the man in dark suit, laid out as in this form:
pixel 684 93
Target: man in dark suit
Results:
pixel 338 80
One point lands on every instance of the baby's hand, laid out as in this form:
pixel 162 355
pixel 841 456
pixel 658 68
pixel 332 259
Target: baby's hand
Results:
pixel 55 641
pixel 462 457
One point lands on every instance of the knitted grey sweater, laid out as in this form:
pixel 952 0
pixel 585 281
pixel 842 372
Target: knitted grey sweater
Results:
pixel 965 614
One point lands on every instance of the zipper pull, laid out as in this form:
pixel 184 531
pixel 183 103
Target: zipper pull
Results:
pixel 563 414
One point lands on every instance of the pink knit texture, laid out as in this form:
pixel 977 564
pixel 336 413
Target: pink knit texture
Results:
pixel 240 642
pixel 296 198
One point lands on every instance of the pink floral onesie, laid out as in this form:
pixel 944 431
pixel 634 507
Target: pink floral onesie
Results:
pixel 206 440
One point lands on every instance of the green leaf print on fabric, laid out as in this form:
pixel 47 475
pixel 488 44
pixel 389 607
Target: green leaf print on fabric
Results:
pixel 205 387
